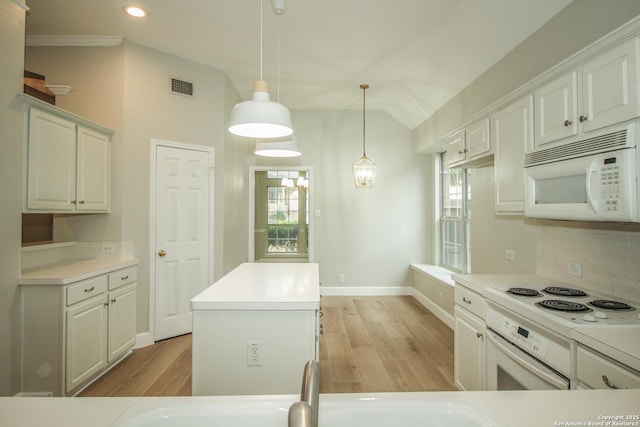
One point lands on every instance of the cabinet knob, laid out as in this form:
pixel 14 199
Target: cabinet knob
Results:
pixel 161 253
pixel 479 334
pixel 114 300
pixel 81 202
pixel 567 123
pixel 73 202
pixel 583 119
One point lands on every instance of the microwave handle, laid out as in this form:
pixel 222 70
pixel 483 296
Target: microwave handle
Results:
pixel 591 170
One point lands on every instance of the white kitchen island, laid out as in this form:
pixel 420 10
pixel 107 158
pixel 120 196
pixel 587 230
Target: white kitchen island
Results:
pixel 254 329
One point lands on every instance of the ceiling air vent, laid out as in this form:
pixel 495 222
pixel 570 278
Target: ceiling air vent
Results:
pixel 180 87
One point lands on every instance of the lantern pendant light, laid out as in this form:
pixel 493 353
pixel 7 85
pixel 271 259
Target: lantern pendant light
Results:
pixel 260 117
pixel 364 170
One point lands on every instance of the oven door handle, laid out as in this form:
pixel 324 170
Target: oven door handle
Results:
pixel 498 342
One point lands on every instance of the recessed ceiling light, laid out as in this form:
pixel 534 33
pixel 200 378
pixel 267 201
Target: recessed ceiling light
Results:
pixel 135 11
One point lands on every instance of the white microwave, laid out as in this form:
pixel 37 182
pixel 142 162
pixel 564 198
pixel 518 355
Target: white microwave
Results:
pixel 593 187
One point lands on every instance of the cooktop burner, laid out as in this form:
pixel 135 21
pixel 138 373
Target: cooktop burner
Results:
pixel 610 304
pixel 524 292
pixel 565 292
pixel 561 305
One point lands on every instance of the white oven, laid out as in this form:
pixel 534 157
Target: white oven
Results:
pixel 509 368
pixel 523 356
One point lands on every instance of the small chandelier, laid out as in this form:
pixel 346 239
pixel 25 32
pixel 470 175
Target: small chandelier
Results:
pixel 364 170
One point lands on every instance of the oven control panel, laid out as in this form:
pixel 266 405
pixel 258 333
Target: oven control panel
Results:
pixel 524 338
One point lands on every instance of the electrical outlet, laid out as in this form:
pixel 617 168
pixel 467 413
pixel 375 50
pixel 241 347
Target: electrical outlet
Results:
pixel 574 268
pixel 340 278
pixel 108 248
pixel 510 255
pixel 254 353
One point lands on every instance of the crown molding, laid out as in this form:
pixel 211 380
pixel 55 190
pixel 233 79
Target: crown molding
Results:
pixel 74 40
pixel 22 5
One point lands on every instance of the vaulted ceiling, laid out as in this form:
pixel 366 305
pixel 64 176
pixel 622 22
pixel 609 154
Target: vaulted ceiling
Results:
pixel 415 54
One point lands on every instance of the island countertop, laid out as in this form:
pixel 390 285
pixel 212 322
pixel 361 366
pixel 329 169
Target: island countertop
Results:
pixel 263 286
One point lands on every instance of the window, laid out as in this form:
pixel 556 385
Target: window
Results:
pixel 455 242
pixel 287 207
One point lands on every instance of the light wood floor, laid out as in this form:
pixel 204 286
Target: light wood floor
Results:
pixel 369 344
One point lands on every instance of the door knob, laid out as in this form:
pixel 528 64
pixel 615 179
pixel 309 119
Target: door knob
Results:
pixel 161 252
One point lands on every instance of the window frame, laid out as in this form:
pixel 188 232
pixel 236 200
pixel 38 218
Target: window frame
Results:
pixel 444 221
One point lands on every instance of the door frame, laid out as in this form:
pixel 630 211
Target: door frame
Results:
pixel 252 206
pixel 155 143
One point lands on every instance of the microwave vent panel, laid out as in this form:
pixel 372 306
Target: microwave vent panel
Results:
pixel 597 144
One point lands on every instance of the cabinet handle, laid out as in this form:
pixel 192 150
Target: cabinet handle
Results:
pixel 73 202
pixel 468 301
pixel 124 278
pixel 583 119
pixel 460 152
pixel 479 334
pixel 567 123
pixel 114 300
pixel 81 202
pixel 106 304
pixel 465 151
pixel 90 289
pixel 609 383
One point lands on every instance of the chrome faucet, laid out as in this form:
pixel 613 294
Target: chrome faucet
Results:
pixel 305 412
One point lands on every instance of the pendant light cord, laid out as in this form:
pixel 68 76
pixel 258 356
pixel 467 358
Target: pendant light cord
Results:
pixel 364 127
pixel 261 35
pixel 278 57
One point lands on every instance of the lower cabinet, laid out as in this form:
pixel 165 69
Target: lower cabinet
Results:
pixel 72 333
pixel 597 371
pixel 469 341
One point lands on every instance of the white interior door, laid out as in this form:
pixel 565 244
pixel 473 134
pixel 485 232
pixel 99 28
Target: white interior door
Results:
pixel 183 220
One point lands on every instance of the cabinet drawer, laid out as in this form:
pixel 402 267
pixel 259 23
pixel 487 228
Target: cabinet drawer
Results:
pixel 469 300
pixel 122 277
pixel 86 289
pixel 595 371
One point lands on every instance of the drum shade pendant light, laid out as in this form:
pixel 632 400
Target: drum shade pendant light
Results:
pixel 260 117
pixel 364 170
pixel 278 147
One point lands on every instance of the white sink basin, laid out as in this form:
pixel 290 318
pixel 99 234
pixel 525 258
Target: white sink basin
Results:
pixel 347 410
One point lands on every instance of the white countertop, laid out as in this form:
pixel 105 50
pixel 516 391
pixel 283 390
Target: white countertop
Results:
pixel 514 408
pixel 264 286
pixel 74 270
pixel 477 282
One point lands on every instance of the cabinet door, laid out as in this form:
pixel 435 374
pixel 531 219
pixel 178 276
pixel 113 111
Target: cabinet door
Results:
pixel 455 148
pixel 512 129
pixel 609 87
pixel 556 109
pixel 469 351
pixel 478 139
pixel 93 165
pixel 86 346
pixel 122 321
pixel 51 171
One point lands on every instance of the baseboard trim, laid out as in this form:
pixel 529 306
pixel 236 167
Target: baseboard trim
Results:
pixel 143 339
pixel 435 309
pixel 365 290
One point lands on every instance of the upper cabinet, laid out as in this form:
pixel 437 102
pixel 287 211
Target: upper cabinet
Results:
pixel 68 161
pixel 602 92
pixel 470 145
pixel 512 133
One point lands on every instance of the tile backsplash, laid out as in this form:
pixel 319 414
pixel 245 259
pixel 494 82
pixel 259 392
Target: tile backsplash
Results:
pixel 608 253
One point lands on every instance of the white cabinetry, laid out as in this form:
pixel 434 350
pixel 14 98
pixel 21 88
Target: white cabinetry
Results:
pixel 68 161
pixel 72 332
pixel 512 132
pixel 599 372
pixel 469 341
pixel 602 92
pixel 470 144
